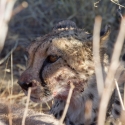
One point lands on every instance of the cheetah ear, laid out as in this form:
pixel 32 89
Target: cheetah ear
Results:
pixel 104 35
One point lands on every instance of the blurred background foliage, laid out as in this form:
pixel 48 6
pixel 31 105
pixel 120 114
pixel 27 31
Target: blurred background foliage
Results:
pixel 41 15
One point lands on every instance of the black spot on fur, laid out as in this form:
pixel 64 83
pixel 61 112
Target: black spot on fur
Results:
pixel 95 110
pixel 117 112
pixel 60 113
pixel 61 101
pixel 76 33
pixel 71 123
pixel 65 119
pixel 95 119
pixel 123 57
pixel 111 123
pixel 57 105
pixel 93 124
pixel 56 115
pixel 117 102
pixel 93 85
pixel 89 36
pixel 91 96
pixel 102 33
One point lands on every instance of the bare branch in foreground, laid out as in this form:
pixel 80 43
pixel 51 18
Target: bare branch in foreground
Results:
pixel 124 95
pixel 109 83
pixel 96 56
pixel 6 8
pixel 117 3
pixel 26 108
pixel 95 4
pixel 120 98
pixel 67 103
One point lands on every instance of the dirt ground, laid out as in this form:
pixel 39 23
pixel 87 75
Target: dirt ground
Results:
pixel 38 19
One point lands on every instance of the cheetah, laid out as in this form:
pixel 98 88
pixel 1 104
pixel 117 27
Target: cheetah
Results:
pixel 60 57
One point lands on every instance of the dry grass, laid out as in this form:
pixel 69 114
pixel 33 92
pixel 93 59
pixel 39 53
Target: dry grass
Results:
pixel 35 18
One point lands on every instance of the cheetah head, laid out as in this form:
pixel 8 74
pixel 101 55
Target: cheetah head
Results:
pixel 55 60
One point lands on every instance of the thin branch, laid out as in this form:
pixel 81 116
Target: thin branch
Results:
pixel 96 55
pixel 95 4
pixel 5 71
pixel 67 103
pixel 109 83
pixel 119 95
pixel 5 13
pixel 19 8
pixel 124 94
pixel 26 108
pixel 117 3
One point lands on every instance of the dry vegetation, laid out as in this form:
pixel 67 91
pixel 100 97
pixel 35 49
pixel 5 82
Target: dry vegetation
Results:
pixel 34 18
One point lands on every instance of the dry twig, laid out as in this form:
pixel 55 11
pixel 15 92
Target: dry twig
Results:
pixel 6 8
pixel 109 83
pixel 95 4
pixel 124 94
pixel 117 3
pixel 15 96
pixel 96 56
pixel 67 103
pixel 26 108
pixel 120 98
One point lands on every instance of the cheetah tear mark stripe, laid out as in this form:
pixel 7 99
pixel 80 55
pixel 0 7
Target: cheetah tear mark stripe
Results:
pixel 43 83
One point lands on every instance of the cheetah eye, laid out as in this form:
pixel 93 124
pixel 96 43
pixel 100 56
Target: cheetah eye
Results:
pixel 52 58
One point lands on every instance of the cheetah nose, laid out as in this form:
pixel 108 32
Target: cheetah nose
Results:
pixel 25 85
